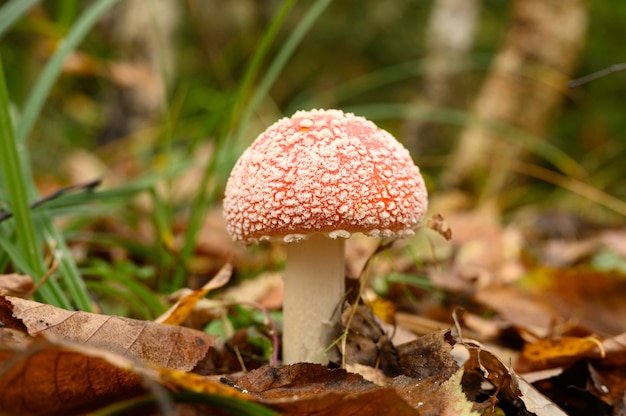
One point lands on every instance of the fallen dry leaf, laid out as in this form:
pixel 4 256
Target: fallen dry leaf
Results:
pixel 582 374
pixel 183 307
pixel 594 299
pixel 606 381
pixel 556 352
pixel 50 378
pixel 366 342
pixel 553 301
pixel 487 376
pixel 45 376
pixel 14 284
pixel 429 357
pixel 517 308
pixel 431 398
pixel 199 384
pixel 164 345
pixel 575 392
pixel 485 252
pixel 315 389
pixel 438 223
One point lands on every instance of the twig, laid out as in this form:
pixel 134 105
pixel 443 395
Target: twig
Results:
pixel 53 267
pixel 343 338
pixel 595 75
pixel 86 186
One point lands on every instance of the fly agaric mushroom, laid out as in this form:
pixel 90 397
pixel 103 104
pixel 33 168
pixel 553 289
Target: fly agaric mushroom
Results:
pixel 311 181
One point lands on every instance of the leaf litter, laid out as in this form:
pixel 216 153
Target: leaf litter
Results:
pixel 540 334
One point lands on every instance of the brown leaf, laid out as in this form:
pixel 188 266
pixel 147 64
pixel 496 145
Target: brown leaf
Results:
pixel 606 381
pixel 164 345
pixel 366 342
pixel 574 390
pixel 518 308
pixel 382 401
pixel 590 300
pixel 300 380
pixel 594 298
pixel 486 375
pixel 59 379
pixel 438 223
pixel 16 285
pixel 314 389
pixel 432 398
pixel 429 356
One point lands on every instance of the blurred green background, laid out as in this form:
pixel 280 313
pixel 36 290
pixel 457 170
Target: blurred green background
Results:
pixel 356 54
pixel 161 96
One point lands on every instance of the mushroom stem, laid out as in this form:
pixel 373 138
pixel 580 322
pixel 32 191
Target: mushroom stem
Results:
pixel 314 286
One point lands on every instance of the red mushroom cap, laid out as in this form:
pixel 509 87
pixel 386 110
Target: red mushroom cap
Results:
pixel 323 171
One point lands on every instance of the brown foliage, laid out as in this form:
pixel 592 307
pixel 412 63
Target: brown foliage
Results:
pixel 164 345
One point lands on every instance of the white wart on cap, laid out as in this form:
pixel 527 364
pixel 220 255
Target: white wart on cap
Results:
pixel 323 171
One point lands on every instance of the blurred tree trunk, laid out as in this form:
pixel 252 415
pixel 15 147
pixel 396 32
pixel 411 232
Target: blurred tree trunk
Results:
pixel 524 87
pixel 144 35
pixel 449 36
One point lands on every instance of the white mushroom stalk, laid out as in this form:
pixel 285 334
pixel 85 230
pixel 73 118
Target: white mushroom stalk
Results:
pixel 311 181
pixel 314 288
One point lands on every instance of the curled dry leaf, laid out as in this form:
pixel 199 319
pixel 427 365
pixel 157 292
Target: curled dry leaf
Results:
pixel 366 342
pixel 14 284
pixel 51 378
pixel 429 357
pixel 487 376
pixel 179 312
pixel 164 345
pixel 556 352
pixel 593 369
pixel 438 223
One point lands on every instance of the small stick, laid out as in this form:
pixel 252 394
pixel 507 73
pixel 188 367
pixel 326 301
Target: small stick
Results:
pixel 595 75
pixel 87 186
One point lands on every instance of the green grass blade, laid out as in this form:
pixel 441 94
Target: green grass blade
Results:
pixel 233 405
pixel 12 11
pixel 67 267
pixel 51 292
pixel 253 68
pixel 18 175
pixel 16 187
pixel 223 403
pixel 277 65
pixel 13 252
pixel 116 274
pixel 117 293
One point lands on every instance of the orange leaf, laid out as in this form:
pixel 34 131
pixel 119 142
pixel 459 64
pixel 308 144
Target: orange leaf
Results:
pixel 199 384
pixel 177 314
pixel 557 352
